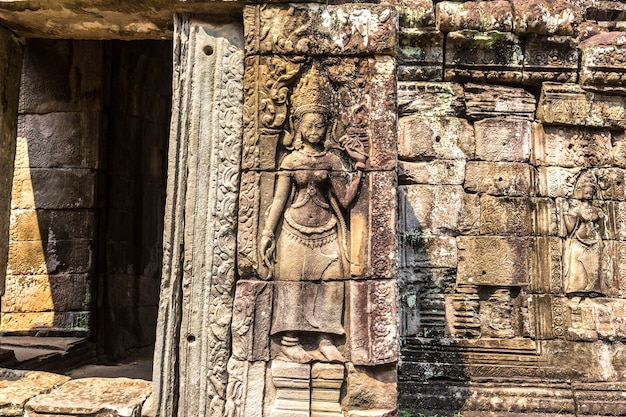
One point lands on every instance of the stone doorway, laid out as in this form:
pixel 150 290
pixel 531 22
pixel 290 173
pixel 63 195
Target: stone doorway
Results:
pixel 88 200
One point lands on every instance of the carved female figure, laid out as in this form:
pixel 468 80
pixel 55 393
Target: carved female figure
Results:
pixel 303 241
pixel 586 225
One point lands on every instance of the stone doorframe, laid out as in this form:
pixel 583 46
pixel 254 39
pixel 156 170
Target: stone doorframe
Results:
pixel 193 345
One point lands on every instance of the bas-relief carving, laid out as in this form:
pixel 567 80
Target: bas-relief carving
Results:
pixel 316 216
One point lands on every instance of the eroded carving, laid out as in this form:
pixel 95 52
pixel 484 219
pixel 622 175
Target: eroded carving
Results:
pixel 586 227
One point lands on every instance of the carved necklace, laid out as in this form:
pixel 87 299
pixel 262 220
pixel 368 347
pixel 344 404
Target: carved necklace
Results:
pixel 312 154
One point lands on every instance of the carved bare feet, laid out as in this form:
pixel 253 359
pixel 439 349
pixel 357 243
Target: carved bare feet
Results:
pixel 292 350
pixel 330 351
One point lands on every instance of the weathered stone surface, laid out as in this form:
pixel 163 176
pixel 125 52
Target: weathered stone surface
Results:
pixel 38 188
pixel 35 293
pixel 505 216
pixel 17 387
pixel 555 181
pixel 503 139
pixel 545 17
pixel 42 225
pixel 603 62
pixel 431 99
pixel 482 16
pixel 373 330
pixel 484 101
pixel 600 398
pixel 429 209
pixel 427 251
pixel 59 77
pixel 611 182
pixel 571 147
pixel 550 58
pixel 587 29
pixel 58 140
pixel 11 54
pixel 568 104
pixel 39 258
pixel 496 261
pixel 75 321
pixel 444 172
pixel 416 13
pixel 100 397
pixel 370 394
pixel 113 20
pixel 422 137
pixel 499 178
pixel 319 30
pixel 420 55
pixel 199 245
pixel 546 267
pixel 483 56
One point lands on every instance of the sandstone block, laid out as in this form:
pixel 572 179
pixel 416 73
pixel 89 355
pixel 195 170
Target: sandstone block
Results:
pixel 484 101
pixel 482 16
pixel 40 188
pixel 52 257
pixel 52 140
pixel 111 397
pixel 420 55
pixel 439 137
pixel 431 99
pixel 571 147
pixel 59 76
pixel 545 17
pixel 320 30
pixel 503 139
pixel 546 266
pixel 601 398
pixel 40 225
pixel 32 293
pixel 418 251
pixel 499 178
pixel 11 54
pixel 496 261
pixel 483 56
pixel 449 172
pixel 568 104
pixel 437 210
pixel 370 393
pixel 416 13
pixel 549 313
pixel 603 62
pixel 252 312
pixel 612 183
pixel 17 387
pixel 555 181
pixel 505 216
pixel 373 330
pixel 550 58
pixel 78 321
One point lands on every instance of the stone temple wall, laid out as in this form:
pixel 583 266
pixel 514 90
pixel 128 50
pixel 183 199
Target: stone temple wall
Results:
pixel 510 141
pixel 505 244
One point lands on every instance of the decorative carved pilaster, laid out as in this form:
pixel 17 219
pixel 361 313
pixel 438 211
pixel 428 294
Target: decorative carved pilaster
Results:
pixel 193 336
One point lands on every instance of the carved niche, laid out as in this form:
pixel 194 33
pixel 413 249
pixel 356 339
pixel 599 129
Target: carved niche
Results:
pixel 314 310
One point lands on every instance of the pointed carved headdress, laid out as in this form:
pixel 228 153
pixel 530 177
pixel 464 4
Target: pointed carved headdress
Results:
pixel 313 94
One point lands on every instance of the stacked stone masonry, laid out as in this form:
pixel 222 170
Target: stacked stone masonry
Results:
pixel 486 189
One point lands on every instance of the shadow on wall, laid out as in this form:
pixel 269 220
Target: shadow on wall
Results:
pixel 89 194
pixel 432 375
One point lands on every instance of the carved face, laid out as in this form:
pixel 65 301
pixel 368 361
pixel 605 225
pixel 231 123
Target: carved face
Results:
pixel 588 191
pixel 313 128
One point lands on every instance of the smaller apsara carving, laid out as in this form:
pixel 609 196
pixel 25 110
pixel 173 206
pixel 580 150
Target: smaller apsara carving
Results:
pixel 586 227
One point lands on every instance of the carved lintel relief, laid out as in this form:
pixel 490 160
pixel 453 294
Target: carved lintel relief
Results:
pixel 316 237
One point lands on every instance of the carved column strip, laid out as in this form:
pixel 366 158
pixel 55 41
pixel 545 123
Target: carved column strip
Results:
pixel 193 334
pixel 10 69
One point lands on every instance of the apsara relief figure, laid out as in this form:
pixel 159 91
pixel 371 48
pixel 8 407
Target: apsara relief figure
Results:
pixel 586 227
pixel 304 242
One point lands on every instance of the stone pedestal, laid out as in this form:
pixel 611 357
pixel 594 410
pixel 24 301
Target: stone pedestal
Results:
pixel 293 394
pixel 326 382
